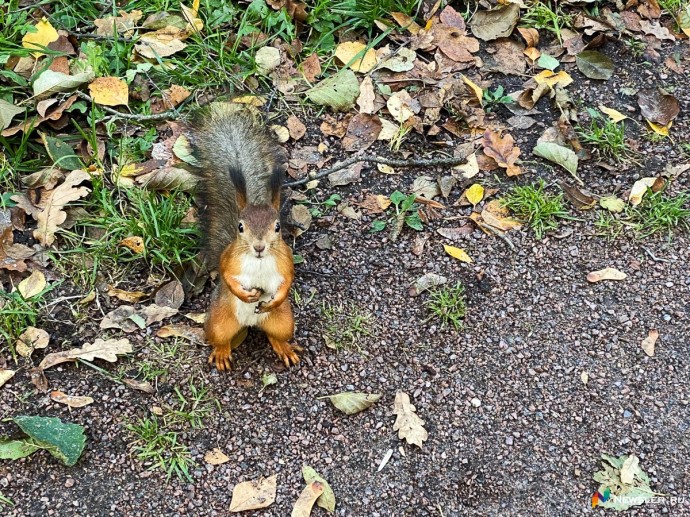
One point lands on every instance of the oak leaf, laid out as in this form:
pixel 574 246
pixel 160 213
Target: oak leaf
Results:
pixel 107 350
pixel 409 426
pixel 503 150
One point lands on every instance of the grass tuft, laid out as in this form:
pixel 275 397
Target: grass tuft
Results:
pixel 447 303
pixel 606 136
pixel 661 213
pixel 345 325
pixel 535 206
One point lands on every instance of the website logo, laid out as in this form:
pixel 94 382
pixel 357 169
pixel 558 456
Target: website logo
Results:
pixel 599 498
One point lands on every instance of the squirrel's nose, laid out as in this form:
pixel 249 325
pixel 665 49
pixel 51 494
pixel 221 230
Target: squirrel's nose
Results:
pixel 259 247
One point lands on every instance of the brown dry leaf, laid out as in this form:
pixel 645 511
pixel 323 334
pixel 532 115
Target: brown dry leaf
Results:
pixel 456 234
pixel 366 98
pixel 134 243
pixel 32 285
pixel 469 169
pixel 502 150
pixel 346 52
pixel 31 339
pixel 375 203
pixel 657 106
pixel 311 67
pixel 170 295
pixel 608 273
pixel 655 29
pixel 409 426
pixel 532 53
pixel 122 25
pixel 362 132
pixel 455 44
pixel 351 174
pixel 109 91
pixel 6 375
pixel 301 219
pixel 252 495
pixel 497 216
pixel 296 128
pixel 497 23
pixel 107 350
pixel 139 385
pixel 307 499
pixel 193 334
pixel 161 43
pixel 531 36
pixel 649 342
pixel 508 57
pixel 216 457
pixel 406 22
pixel 581 199
pixel 72 401
pixel 333 127
pixel 49 214
pixel 196 317
pixel 126 296
pixel 401 106
pixel 171 98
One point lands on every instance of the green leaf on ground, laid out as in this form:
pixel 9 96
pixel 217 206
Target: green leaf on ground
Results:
pixel 595 65
pixel 61 153
pixel 55 82
pixel 327 499
pixel 548 62
pixel 612 204
pixel 15 449
pixel 563 156
pixel 65 441
pixel 626 482
pixel 339 92
pixel 7 112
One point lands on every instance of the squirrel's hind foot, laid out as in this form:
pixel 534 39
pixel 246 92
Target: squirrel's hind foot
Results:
pixel 221 358
pixel 286 352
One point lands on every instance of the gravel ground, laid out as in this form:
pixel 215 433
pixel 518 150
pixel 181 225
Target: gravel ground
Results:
pixel 527 446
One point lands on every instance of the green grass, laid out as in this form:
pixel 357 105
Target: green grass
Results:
pixel 547 16
pixel 17 313
pixel 606 136
pixel 635 46
pixel 537 207
pixel 345 325
pixel 193 407
pixel 447 303
pixel 661 213
pixel 161 447
pixel 4 500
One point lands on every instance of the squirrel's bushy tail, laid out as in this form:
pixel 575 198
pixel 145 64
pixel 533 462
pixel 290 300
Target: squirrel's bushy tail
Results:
pixel 229 137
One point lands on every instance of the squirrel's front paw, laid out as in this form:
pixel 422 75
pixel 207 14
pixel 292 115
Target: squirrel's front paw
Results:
pixel 253 295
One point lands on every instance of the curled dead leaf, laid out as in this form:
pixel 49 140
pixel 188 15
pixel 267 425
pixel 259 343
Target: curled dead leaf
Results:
pixel 608 273
pixel 72 401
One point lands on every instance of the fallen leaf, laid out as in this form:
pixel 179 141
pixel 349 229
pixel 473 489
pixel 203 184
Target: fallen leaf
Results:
pixel 409 426
pixel 126 296
pixel 531 36
pixel 193 334
pixel 366 98
pixel 301 218
pixel 350 402
pixel 327 499
pixel 595 65
pixel 622 483
pixel 170 294
pixel 580 199
pixel 42 34
pixel 497 23
pixel 49 82
pixel 426 282
pixel 385 169
pixel 307 499
pixel 7 112
pixel 456 234
pixel 32 285
pixel 425 186
pixel 478 92
pixel 362 132
pixel 6 375
pixel 474 194
pixel 161 43
pixel 64 441
pixel 356 55
pixel 502 150
pixel 640 187
pixel 123 25
pixel 139 385
pixel 612 204
pixel 615 116
pixel 216 457
pixel 453 42
pixel 267 59
pixel 134 243
pixel 401 106
pixel 386 458
pixel 109 91
pixel 107 350
pixel 49 214
pixel 31 339
pixel 346 176
pixel 252 495
pixel 552 79
pixel 469 169
pixel 311 67
pixel 338 92
pixel 584 377
pixel 649 342
pixel 658 106
pixel 608 273
pixel 70 400
pixel 457 253
pixel 498 216
pixel 556 153
pixel 659 129
pixel 388 130
pixel 400 61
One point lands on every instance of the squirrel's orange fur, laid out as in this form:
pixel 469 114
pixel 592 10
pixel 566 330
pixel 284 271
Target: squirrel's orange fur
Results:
pixel 241 174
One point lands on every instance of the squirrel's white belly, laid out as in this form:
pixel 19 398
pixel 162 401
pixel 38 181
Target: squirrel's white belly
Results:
pixel 260 274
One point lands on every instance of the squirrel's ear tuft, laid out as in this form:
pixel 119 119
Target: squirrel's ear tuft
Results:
pixel 240 183
pixel 275 185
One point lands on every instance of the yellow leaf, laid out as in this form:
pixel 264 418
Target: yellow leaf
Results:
pixel 552 79
pixel 614 115
pixel 195 6
pixel 478 92
pixel 32 285
pixel 136 244
pixel 364 60
pixel 109 91
pixel 475 194
pixel 386 169
pixel 659 129
pixel 532 53
pixel 45 34
pixel 639 189
pixel 457 253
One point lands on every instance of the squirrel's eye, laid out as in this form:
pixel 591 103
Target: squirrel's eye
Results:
pixel 277 227
pixel 240 227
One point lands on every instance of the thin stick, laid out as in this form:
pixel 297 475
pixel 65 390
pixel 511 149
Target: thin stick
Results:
pixel 368 158
pixel 134 116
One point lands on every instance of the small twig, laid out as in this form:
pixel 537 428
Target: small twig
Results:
pixel 500 234
pixel 319 273
pixel 367 158
pixel 652 256
pixel 134 116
